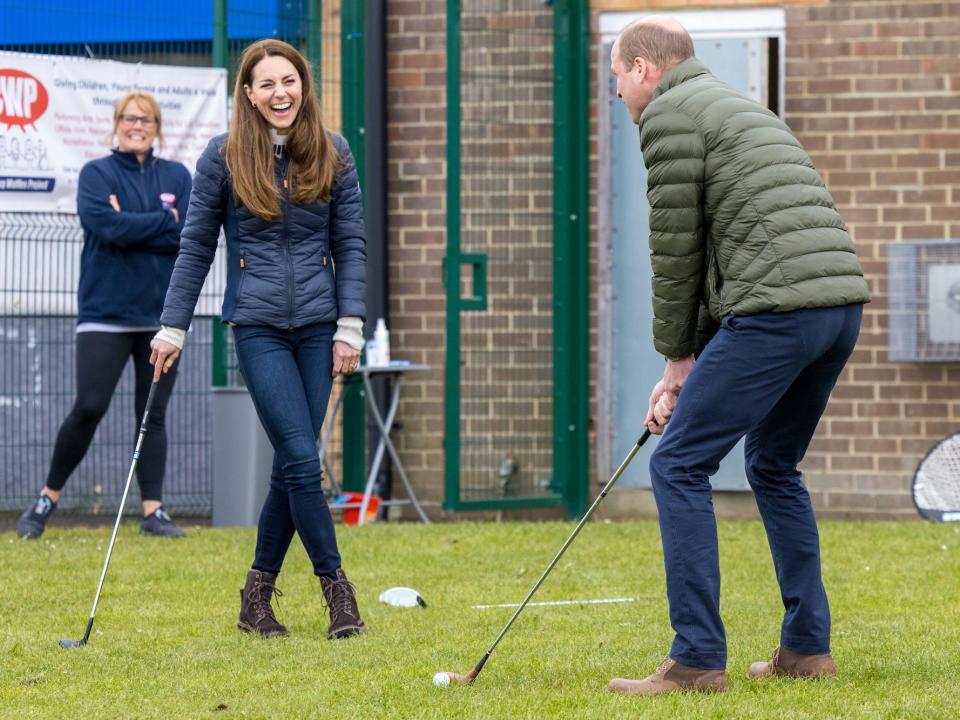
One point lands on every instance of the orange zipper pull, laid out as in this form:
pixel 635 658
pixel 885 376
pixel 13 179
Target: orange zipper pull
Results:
pixel 324 259
pixel 286 184
pixel 242 264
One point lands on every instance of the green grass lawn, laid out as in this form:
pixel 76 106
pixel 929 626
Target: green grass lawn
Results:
pixel 165 644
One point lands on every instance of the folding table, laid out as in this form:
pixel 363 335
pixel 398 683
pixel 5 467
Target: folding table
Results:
pixel 396 372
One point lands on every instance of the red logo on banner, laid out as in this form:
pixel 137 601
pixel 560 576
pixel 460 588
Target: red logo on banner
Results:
pixel 23 98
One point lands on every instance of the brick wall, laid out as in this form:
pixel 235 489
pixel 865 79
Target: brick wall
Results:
pixel 872 92
pixel 506 105
pixel 507 177
pixel 416 141
pixel 506 87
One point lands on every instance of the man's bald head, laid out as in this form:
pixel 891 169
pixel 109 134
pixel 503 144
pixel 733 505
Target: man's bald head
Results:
pixel 657 39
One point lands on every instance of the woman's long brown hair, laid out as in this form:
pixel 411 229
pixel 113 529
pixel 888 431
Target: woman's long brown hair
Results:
pixel 249 155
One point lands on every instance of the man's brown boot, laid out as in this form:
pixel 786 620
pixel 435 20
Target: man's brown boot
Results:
pixel 256 613
pixel 671 676
pixel 340 599
pixel 793 664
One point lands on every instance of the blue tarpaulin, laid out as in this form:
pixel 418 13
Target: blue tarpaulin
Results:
pixel 58 22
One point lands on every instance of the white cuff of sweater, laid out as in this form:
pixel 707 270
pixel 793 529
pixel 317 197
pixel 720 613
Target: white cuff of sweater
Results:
pixel 350 331
pixel 172 335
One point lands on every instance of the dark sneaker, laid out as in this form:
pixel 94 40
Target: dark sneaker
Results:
pixel 339 597
pixel 256 613
pixel 793 664
pixel 672 677
pixel 159 524
pixel 34 519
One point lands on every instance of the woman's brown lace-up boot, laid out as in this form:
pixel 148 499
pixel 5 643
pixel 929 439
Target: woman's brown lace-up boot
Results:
pixel 256 613
pixel 340 599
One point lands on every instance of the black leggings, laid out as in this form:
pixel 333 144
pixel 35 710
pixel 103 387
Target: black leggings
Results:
pixel 101 357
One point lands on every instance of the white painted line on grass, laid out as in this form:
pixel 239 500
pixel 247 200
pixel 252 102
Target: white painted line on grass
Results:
pixel 559 602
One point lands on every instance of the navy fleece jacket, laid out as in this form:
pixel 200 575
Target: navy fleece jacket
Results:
pixel 128 256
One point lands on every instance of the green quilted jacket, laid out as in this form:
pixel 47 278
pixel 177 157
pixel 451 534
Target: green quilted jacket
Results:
pixel 740 221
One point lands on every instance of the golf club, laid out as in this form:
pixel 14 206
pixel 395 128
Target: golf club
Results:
pixel 443 679
pixel 116 525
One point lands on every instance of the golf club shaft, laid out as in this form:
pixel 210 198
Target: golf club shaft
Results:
pixel 576 530
pixel 123 501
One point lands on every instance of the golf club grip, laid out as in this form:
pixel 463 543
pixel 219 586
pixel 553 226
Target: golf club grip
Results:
pixel 644 437
pixel 149 405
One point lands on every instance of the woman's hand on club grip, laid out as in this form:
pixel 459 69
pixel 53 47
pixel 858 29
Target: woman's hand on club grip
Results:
pixel 162 357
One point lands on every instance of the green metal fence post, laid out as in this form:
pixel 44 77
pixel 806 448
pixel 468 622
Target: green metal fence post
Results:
pixel 219 350
pixel 571 374
pixel 352 73
pixel 218 365
pixel 451 421
pixel 315 43
pixel 352 96
pixel 220 33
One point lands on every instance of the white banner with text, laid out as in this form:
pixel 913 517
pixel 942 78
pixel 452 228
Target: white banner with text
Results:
pixel 56 113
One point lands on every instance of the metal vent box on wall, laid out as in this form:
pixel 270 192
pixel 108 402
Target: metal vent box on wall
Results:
pixel 924 301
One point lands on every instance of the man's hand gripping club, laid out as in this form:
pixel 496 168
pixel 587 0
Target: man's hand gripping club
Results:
pixel 663 399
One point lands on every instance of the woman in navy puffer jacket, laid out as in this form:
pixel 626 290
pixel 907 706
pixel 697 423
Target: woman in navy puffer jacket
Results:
pixel 286 194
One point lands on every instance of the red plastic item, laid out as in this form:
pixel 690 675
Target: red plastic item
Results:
pixel 353 501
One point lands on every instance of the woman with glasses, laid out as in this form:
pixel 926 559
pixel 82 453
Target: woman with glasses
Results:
pixel 132 206
pixel 285 191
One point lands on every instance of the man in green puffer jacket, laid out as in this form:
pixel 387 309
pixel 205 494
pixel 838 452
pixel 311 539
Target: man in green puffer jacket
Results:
pixel 757 299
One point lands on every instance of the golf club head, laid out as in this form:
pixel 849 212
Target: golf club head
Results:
pixel 72 643
pixel 467 679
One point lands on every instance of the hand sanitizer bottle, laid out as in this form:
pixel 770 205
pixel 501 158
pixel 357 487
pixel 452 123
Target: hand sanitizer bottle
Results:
pixel 382 338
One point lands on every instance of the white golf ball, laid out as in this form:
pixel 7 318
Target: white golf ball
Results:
pixel 441 679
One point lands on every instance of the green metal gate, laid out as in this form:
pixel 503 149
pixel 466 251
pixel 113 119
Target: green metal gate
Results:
pixel 516 269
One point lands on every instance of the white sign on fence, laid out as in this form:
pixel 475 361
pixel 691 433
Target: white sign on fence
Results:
pixel 56 113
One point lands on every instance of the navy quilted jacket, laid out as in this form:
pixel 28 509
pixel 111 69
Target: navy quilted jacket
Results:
pixel 279 272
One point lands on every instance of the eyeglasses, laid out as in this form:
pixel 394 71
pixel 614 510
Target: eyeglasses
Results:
pixel 145 120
